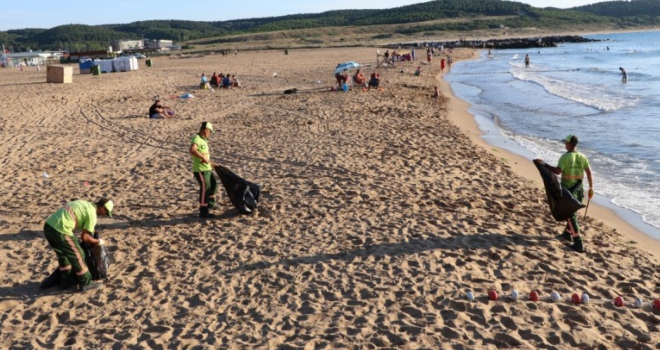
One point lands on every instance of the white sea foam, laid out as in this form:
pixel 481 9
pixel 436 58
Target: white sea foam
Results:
pixel 599 97
pixel 577 88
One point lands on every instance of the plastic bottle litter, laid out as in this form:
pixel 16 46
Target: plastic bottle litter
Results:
pixel 45 175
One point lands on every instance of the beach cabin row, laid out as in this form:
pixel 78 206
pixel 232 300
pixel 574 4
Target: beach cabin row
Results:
pixel 121 64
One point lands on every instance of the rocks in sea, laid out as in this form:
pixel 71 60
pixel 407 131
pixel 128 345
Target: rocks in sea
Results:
pixel 507 43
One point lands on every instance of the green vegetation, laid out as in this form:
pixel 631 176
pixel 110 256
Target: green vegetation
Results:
pixel 628 13
pixel 466 15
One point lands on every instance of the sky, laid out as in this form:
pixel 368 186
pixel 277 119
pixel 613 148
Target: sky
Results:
pixel 49 13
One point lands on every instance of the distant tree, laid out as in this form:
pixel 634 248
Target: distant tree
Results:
pixel 512 14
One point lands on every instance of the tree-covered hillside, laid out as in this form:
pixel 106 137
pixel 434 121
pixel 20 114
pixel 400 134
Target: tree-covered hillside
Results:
pixel 639 12
pixel 509 13
pixel 621 9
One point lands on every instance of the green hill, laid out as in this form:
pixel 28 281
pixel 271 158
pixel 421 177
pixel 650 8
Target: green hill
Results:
pixel 469 15
pixel 634 12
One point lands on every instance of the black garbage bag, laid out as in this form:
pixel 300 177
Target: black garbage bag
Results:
pixel 243 194
pixel 97 258
pixel 560 199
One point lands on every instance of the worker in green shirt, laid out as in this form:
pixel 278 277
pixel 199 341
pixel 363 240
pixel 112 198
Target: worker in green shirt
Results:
pixel 572 166
pixel 59 227
pixel 203 169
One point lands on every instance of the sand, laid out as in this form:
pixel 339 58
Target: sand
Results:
pixel 379 213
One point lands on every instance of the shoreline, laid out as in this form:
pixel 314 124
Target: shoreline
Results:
pixel 616 217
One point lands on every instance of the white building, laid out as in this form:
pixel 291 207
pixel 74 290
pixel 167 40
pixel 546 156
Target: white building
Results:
pixel 155 44
pixel 121 45
pixel 28 58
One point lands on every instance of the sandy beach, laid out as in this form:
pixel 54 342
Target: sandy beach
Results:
pixel 381 209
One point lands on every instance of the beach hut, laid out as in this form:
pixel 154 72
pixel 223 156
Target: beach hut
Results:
pixel 106 66
pixel 85 66
pixel 121 64
pixel 133 63
pixel 125 64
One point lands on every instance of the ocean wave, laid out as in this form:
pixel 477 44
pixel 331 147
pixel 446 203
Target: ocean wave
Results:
pixel 598 97
pixel 626 181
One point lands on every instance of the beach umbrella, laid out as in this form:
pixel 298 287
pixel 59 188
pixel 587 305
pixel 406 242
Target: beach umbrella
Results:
pixel 346 66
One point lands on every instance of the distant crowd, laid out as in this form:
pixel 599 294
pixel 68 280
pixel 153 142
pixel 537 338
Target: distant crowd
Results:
pixel 221 80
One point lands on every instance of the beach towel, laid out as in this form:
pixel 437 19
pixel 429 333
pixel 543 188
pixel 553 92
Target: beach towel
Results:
pixel 560 199
pixel 97 258
pixel 243 194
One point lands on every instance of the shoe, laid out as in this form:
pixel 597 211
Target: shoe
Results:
pixel 204 213
pixel 578 247
pixel 90 286
pixel 566 235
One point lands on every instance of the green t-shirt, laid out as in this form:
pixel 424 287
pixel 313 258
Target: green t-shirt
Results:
pixel 74 215
pixel 203 148
pixel 572 165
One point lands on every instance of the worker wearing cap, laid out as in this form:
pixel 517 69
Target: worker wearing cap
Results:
pixel 572 166
pixel 59 227
pixel 203 169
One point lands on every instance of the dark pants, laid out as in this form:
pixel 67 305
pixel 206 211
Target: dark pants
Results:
pixel 70 257
pixel 207 188
pixel 578 193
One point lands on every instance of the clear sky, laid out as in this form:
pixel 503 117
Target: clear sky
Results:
pixel 50 13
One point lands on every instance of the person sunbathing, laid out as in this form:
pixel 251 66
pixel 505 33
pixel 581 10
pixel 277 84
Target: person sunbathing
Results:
pixel 204 82
pixel 374 82
pixel 158 111
pixel 436 93
pixel 215 81
pixel 360 79
pixel 227 82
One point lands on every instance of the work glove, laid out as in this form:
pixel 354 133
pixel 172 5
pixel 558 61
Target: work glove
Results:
pixel 101 242
pixel 591 193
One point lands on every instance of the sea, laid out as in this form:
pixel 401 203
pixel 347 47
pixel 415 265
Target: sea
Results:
pixel 577 88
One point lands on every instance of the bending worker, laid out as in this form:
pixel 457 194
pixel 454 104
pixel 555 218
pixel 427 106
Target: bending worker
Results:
pixel 572 166
pixel 59 229
pixel 203 169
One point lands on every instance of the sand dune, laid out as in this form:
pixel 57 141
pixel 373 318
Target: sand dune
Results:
pixel 377 216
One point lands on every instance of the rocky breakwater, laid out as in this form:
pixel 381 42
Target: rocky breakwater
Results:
pixel 522 43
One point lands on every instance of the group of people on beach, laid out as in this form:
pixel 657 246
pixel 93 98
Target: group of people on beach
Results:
pixel 83 215
pixel 395 57
pixel 221 80
pixel 344 80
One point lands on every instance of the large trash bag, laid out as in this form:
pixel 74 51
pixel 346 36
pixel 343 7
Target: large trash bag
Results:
pixel 243 194
pixel 97 258
pixel 561 201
